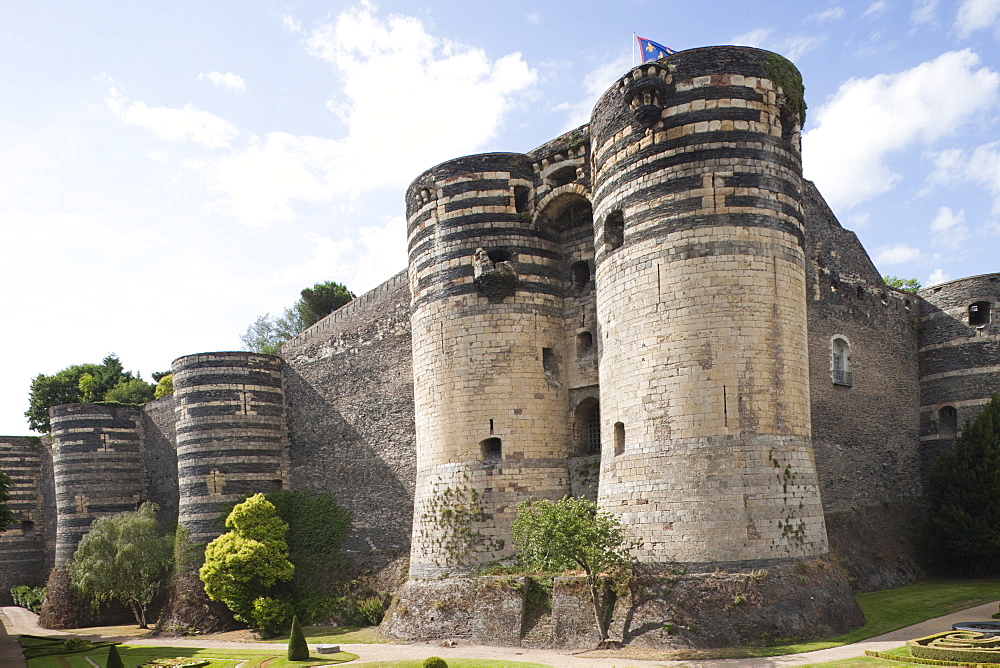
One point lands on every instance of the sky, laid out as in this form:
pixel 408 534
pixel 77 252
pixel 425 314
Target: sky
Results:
pixel 171 171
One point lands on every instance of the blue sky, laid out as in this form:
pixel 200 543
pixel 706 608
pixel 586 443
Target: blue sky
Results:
pixel 170 171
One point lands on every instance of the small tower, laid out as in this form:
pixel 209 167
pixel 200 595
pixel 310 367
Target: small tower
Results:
pixel 701 306
pixel 231 437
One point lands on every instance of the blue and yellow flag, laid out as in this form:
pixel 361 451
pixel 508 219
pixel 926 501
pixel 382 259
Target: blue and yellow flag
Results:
pixel 652 50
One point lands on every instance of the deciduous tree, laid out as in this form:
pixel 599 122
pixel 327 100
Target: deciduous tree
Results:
pixel 243 564
pixel 124 558
pixel 267 333
pixel 573 533
pixel 910 285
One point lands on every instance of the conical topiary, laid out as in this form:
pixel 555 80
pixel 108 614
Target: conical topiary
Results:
pixel 298 650
pixel 114 659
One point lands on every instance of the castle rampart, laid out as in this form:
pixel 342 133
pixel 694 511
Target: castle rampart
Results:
pixel 22 544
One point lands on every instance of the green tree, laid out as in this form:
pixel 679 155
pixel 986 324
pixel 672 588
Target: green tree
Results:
pixel 573 533
pixel 6 515
pixel 164 385
pixel 964 498
pixel 124 558
pixel 245 563
pixel 910 285
pixel 317 526
pixel 267 333
pixel 298 650
pixel 83 383
pixel 321 300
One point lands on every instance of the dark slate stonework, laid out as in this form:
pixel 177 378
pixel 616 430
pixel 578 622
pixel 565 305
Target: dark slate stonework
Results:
pixel 864 435
pixel 159 454
pixel 22 544
pixel 349 390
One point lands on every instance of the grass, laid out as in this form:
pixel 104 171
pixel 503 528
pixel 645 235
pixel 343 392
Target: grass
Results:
pixel 333 635
pixel 221 658
pixel 455 663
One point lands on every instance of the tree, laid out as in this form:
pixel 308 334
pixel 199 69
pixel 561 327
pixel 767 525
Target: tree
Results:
pixel 84 383
pixel 266 333
pixel 910 285
pixel 245 563
pixel 114 658
pixel 124 558
pixel 164 385
pixel 321 300
pixel 6 515
pixel 573 533
pixel 964 498
pixel 298 650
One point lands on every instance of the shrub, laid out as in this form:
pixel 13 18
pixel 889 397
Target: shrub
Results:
pixel 114 659
pixel 435 662
pixel 28 597
pixel 271 616
pixel 371 610
pixel 298 650
pixel 76 644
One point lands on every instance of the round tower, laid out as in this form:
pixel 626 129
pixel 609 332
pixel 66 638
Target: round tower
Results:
pixel 97 466
pixel 231 438
pixel 701 306
pixel 959 346
pixel 488 360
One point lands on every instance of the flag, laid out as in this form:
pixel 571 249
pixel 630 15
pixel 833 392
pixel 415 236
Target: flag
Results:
pixel 652 50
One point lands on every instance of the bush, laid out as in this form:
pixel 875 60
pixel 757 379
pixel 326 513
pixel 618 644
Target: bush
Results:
pixel 114 658
pixel 298 650
pixel 271 616
pixel 435 662
pixel 370 610
pixel 28 597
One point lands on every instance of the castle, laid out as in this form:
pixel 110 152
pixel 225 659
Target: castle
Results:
pixel 654 310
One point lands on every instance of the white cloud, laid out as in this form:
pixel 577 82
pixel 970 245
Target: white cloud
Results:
pixel 791 47
pixel 229 80
pixel 877 8
pixel 924 12
pixel 867 120
pixel 948 228
pixel 384 249
pixel 937 276
pixel 981 166
pixel 291 24
pixel 595 83
pixel 976 15
pixel 899 254
pixel 832 14
pixel 534 17
pixel 858 221
pixel 169 123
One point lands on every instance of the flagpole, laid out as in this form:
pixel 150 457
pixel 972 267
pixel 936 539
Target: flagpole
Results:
pixel 633 49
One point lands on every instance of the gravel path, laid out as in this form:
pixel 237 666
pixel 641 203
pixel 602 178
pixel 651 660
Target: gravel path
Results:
pixel 18 620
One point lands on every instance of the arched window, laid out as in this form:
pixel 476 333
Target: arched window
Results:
pixel 492 449
pixel 581 276
pixel 587 427
pixel 947 422
pixel 979 314
pixel 840 361
pixel 584 344
pixel 614 230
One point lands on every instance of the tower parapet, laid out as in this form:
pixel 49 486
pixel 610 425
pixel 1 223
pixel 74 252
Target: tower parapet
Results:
pixel 701 306
pixel 97 465
pixel 231 434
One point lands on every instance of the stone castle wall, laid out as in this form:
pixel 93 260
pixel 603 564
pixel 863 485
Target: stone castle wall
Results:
pixel 349 406
pixel 704 376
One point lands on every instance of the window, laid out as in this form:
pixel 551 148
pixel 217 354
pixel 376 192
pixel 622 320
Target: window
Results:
pixel 979 314
pixel 614 230
pixel 581 276
pixel 584 344
pixel 947 422
pixel 840 361
pixel 619 438
pixel 27 528
pixel 521 197
pixel 562 176
pixel 594 429
pixel 492 449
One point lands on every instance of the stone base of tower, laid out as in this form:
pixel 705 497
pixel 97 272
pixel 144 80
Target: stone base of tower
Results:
pixel 676 607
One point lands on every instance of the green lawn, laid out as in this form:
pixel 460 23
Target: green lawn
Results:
pixel 221 658
pixel 455 663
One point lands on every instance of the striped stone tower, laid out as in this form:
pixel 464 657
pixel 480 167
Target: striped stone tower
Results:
pixel 488 354
pixel 97 465
pixel 701 306
pixel 22 545
pixel 231 435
